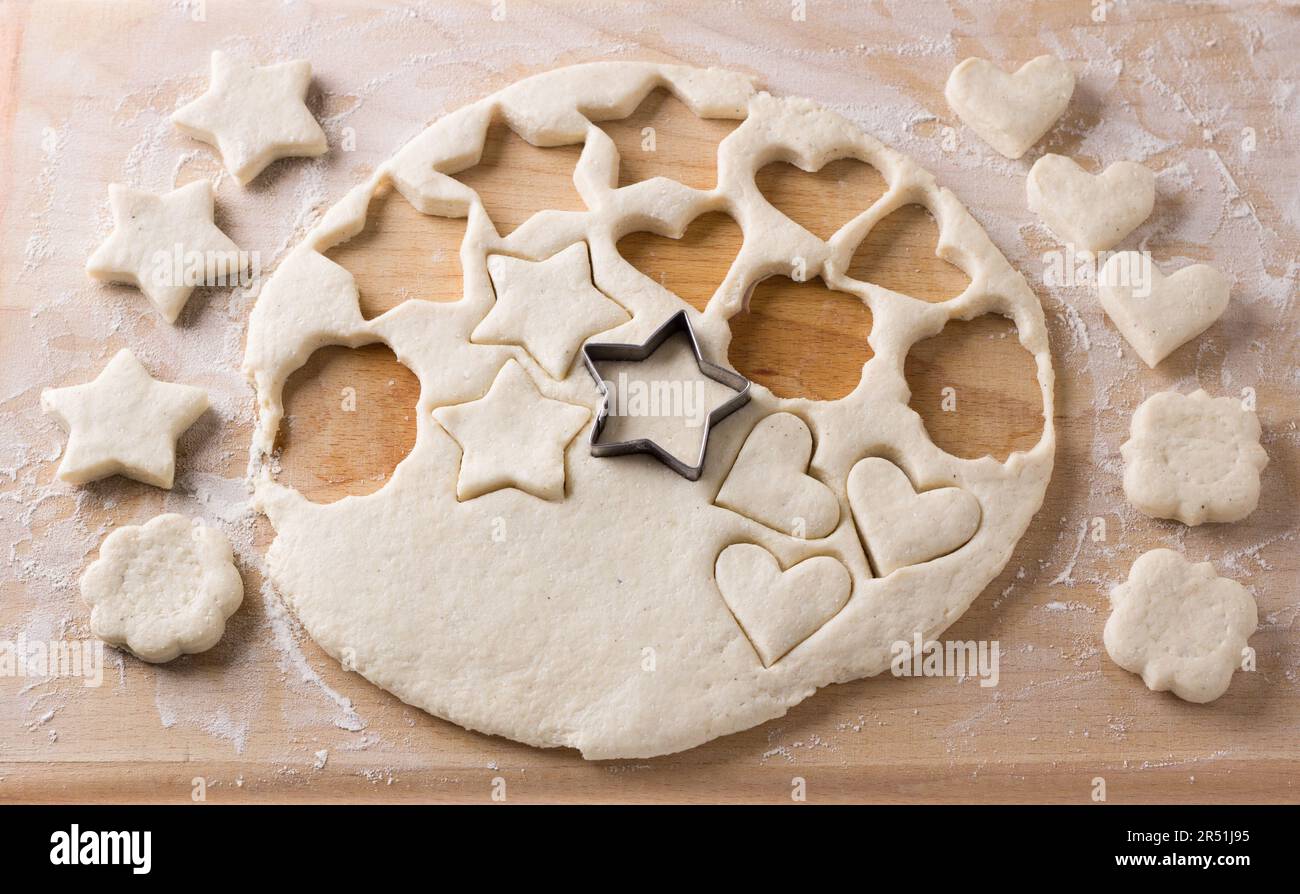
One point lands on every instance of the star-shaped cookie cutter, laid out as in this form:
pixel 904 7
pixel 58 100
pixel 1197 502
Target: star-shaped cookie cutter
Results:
pixel 678 323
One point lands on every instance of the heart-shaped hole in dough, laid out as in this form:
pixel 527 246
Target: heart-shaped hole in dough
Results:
pixel 693 266
pixel 900 254
pixel 824 200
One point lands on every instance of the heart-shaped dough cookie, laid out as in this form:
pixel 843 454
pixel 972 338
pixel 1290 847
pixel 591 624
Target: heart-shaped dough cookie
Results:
pixel 1157 313
pixel 769 481
pixel 780 609
pixel 901 527
pixel 1010 112
pixel 1091 211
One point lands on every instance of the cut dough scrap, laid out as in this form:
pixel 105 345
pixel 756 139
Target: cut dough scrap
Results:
pixel 769 481
pixel 901 527
pixel 124 422
pixel 780 609
pixel 165 245
pixel 512 437
pixel 1010 112
pixel 547 307
pixel 1193 458
pixel 254 114
pixel 1157 316
pixel 163 589
pixel 1179 625
pixel 1093 212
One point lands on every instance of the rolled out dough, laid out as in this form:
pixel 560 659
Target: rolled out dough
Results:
pixel 594 619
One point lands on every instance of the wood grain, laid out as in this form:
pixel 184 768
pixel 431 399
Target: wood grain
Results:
pixel 801 339
pixel 515 179
pixel 693 266
pixel 349 420
pixel 402 254
pixel 661 138
pixel 824 200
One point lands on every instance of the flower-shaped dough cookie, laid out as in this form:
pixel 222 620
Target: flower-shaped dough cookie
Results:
pixel 162 589
pixel 1179 625
pixel 1193 458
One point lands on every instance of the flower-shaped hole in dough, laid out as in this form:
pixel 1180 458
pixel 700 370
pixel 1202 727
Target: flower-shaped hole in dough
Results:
pixel 162 589
pixel 1193 458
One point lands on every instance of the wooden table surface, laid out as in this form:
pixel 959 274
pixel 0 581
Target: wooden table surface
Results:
pixel 266 716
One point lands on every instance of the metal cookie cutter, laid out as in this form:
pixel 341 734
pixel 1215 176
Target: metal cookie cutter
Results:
pixel 678 323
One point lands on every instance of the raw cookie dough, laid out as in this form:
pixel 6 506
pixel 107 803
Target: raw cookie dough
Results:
pixel 1158 315
pixel 901 527
pixel 532 296
pixel 1179 625
pixel 166 245
pixel 1193 458
pixel 780 609
pixel 254 114
pixel 769 483
pixel 537 618
pixel 125 422
pixel 162 589
pixel 1092 212
pixel 1010 112
pixel 512 437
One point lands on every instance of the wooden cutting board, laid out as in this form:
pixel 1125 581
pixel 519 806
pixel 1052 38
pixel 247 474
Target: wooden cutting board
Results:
pixel 266 716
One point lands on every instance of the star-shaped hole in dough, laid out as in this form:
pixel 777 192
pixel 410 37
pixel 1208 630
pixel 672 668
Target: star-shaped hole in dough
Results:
pixel 166 245
pixel 513 436
pixel 549 307
pixel 125 422
pixel 254 114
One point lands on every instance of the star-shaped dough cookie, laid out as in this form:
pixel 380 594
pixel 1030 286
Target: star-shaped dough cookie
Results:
pixel 548 307
pixel 123 423
pixel 254 114
pixel 512 437
pixel 165 245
